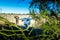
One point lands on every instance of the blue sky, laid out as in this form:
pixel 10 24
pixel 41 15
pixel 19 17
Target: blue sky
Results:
pixel 18 6
pixel 14 6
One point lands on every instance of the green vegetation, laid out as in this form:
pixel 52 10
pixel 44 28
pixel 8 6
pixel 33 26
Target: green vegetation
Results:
pixel 51 23
pixel 12 31
pixel 50 26
pixel 48 22
pixel 8 29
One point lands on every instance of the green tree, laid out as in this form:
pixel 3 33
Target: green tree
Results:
pixel 50 27
pixel 42 5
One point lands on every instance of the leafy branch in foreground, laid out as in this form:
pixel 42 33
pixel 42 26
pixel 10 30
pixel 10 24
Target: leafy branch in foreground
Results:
pixel 49 26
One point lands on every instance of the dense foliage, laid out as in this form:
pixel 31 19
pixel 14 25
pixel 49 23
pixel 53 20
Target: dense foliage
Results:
pixel 49 27
pixel 48 10
pixel 11 31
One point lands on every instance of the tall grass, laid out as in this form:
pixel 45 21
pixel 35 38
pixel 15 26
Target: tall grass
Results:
pixel 50 29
